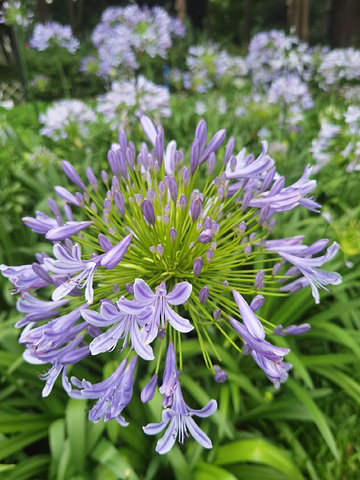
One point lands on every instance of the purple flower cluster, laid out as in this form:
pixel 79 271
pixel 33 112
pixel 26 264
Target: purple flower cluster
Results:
pixel 53 34
pixel 67 118
pixel 272 54
pixel 125 32
pixel 207 66
pixel 150 259
pixel 13 13
pixel 134 97
pixel 338 66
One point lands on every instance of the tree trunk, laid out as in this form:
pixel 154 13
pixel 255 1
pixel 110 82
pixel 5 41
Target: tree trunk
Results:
pixel 180 7
pixel 298 17
pixel 76 13
pixel 248 21
pixel 344 23
pixel 44 11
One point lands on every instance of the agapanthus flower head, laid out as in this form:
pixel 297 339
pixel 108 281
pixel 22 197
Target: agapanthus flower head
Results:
pixel 53 34
pixel 13 13
pixel 338 67
pixel 143 259
pixel 338 142
pixel 272 54
pixel 124 34
pixel 67 118
pixel 134 97
pixel 208 65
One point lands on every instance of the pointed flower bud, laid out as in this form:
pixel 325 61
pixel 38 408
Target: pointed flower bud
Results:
pixel 204 295
pixel 217 313
pixel 292 330
pixel 147 209
pixel 211 163
pixel 257 302
pixel 200 134
pixel 197 266
pixel 205 236
pixel 72 174
pixel 229 150
pixel 173 188
pixel 173 234
pixel 113 257
pixel 194 156
pixel 196 208
pixel 148 392
pixel 220 375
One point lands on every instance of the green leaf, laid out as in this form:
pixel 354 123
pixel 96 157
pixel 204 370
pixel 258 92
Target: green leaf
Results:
pixel 258 451
pixel 205 471
pixel 30 468
pixel 318 417
pixel 346 383
pixel 23 422
pixel 109 456
pixel 8 446
pixel 76 427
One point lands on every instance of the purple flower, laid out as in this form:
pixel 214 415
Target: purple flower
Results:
pixel 162 313
pixel 267 356
pixel 113 394
pixel 53 34
pixel 181 423
pixel 70 354
pixel 67 264
pixel 127 327
pixel 314 276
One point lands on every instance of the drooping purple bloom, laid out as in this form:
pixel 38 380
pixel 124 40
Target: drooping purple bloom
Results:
pixel 113 394
pixel 181 423
pixel 308 266
pixel 70 354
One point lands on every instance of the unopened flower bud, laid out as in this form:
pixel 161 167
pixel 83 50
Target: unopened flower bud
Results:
pixel 148 392
pixel 205 236
pixel 209 255
pixel 196 208
pixel 173 188
pixel 220 375
pixel 197 266
pixel 247 250
pixel 129 287
pixel 113 256
pixel 216 313
pixel 276 269
pixel 211 163
pixel 257 302
pixel 147 209
pixel 173 234
pixel 204 295
pixel 185 176
pixel 162 188
pixel 160 249
pixel 194 156
pixel 183 202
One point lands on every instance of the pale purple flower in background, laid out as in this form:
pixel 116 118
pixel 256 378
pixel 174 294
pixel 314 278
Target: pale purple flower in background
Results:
pixel 67 118
pixel 53 34
pixel 138 97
